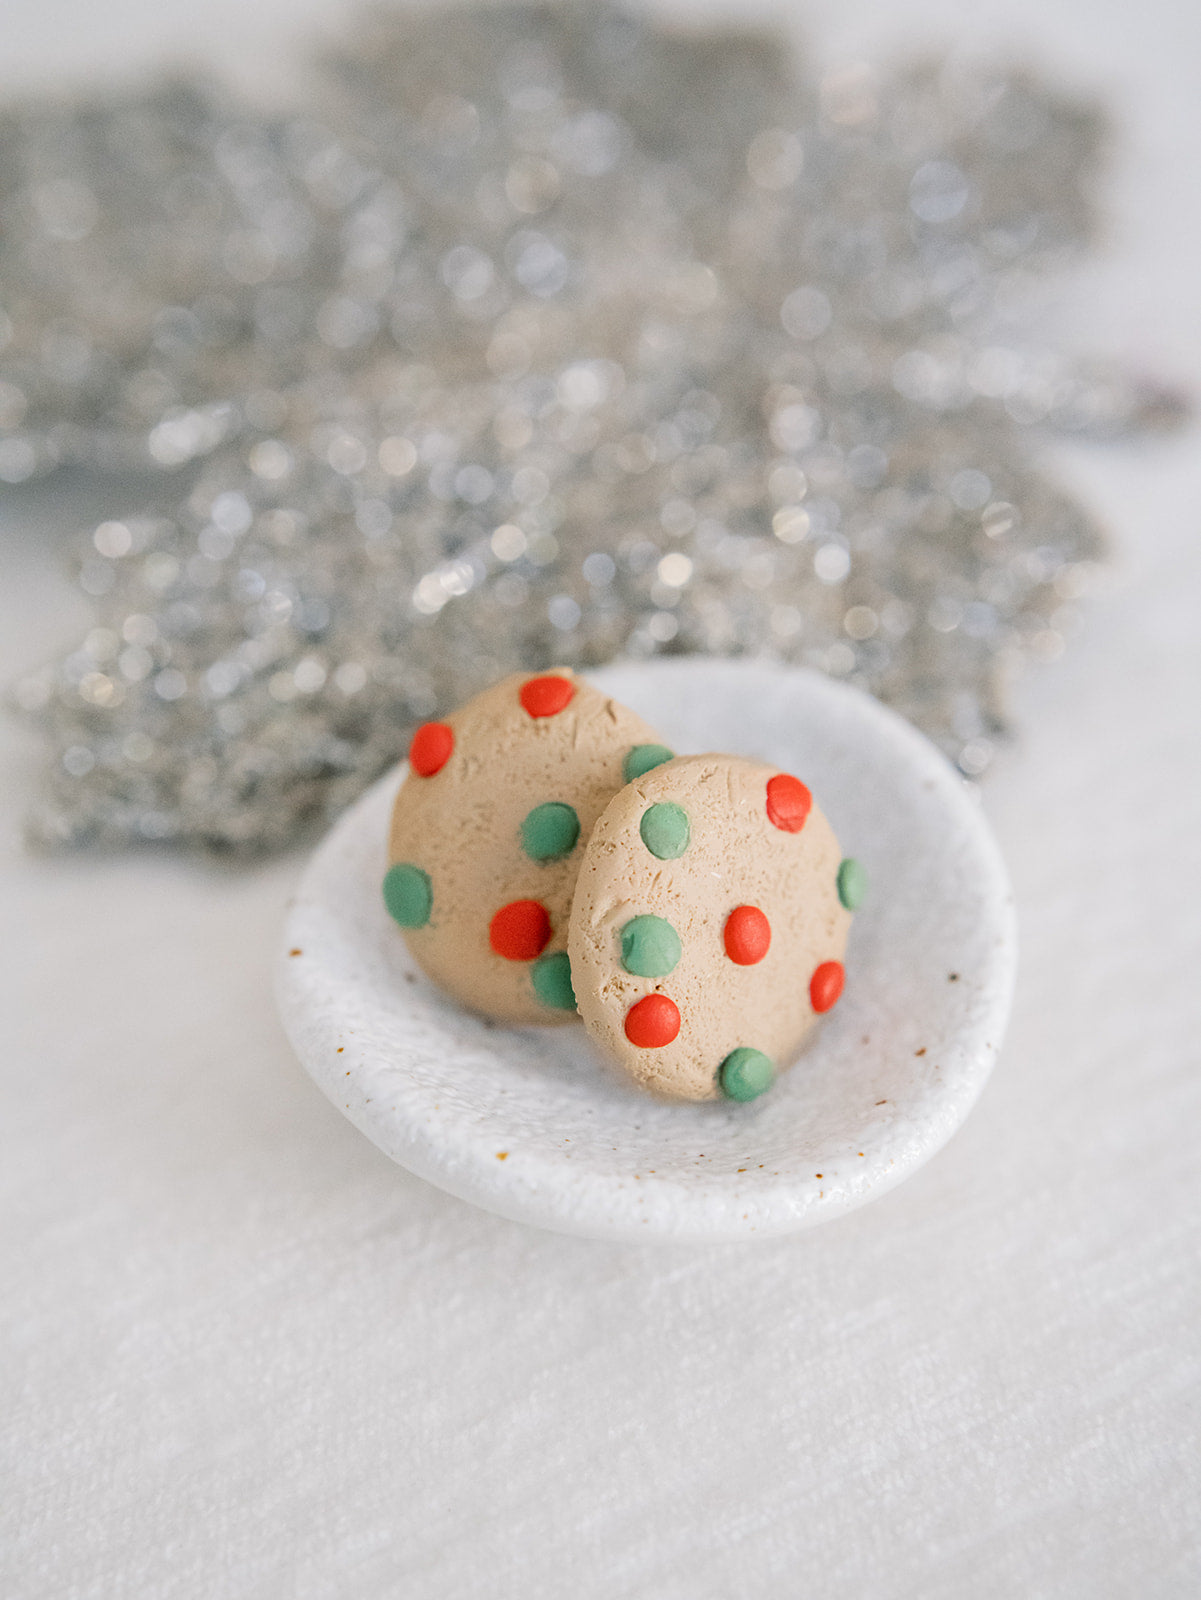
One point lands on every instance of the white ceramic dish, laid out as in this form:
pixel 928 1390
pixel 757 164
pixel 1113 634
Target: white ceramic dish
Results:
pixel 527 1123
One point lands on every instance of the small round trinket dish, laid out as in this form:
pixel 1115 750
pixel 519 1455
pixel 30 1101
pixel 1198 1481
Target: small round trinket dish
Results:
pixel 528 1123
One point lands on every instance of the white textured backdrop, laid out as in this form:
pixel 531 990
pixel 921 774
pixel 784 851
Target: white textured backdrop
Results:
pixel 241 1355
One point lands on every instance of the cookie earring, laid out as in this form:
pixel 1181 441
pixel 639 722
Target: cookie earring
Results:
pixel 709 923
pixel 488 832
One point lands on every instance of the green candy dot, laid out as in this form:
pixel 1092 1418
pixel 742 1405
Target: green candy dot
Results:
pixel 852 884
pixel 550 831
pixel 746 1073
pixel 642 758
pixel 551 977
pixel 408 895
pixel 650 947
pixel 665 830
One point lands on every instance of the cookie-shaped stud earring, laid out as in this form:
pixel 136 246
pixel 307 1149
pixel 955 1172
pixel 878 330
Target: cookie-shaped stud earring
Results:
pixel 488 832
pixel 708 928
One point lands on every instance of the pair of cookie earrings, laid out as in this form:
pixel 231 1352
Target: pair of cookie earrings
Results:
pixel 551 856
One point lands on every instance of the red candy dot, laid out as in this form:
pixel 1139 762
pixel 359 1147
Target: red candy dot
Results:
pixel 653 1022
pixel 546 697
pixel 431 748
pixel 520 931
pixel 747 935
pixel 788 802
pixel 825 985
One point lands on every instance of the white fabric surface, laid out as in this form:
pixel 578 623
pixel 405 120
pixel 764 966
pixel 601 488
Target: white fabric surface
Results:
pixel 242 1355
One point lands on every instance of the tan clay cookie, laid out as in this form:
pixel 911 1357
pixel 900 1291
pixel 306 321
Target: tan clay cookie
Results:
pixel 708 927
pixel 488 832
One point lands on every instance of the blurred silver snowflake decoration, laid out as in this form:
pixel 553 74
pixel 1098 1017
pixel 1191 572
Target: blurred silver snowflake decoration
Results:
pixel 537 336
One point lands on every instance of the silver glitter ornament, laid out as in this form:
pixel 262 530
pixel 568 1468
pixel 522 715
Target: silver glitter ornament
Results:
pixel 540 336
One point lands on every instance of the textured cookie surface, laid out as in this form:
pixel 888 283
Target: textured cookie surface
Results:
pixel 488 832
pixel 709 924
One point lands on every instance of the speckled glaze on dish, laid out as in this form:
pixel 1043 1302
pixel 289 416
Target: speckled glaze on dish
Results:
pixel 525 1123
